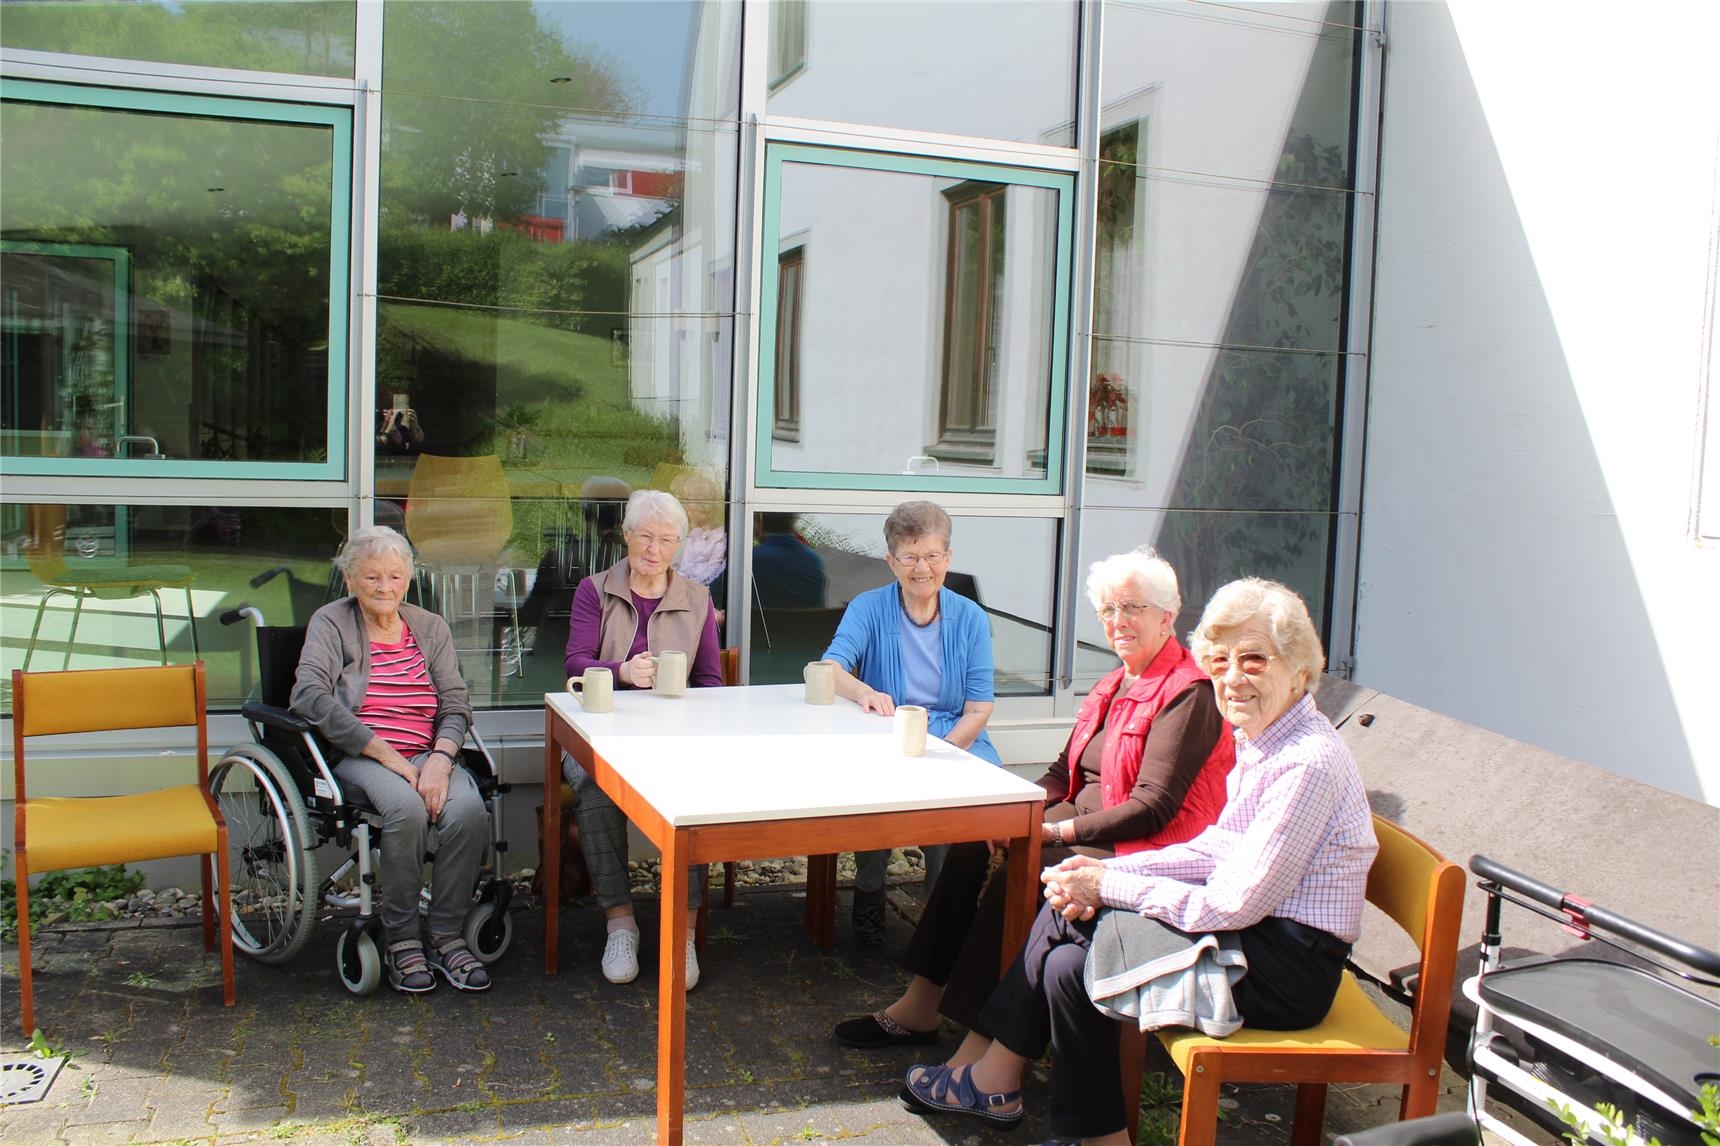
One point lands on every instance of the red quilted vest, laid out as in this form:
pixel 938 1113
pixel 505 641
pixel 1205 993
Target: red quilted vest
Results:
pixel 1170 672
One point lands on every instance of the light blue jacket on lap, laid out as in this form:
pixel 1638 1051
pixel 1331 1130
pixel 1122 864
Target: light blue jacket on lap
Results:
pixel 868 644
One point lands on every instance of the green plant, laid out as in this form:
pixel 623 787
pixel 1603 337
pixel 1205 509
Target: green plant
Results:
pixel 1161 1110
pixel 42 1047
pixel 68 896
pixel 1615 1131
pixel 140 979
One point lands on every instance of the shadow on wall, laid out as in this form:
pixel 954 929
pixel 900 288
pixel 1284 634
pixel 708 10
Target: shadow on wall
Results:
pixel 1495 584
pixel 1252 493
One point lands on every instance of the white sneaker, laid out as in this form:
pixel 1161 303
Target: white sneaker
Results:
pixel 692 965
pixel 621 956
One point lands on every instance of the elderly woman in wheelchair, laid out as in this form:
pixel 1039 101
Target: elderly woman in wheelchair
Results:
pixel 379 680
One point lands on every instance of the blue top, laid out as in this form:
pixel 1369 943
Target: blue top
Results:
pixel 868 644
pixel 922 663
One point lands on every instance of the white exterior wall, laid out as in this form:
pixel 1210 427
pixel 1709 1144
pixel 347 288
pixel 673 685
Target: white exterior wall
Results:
pixel 1546 221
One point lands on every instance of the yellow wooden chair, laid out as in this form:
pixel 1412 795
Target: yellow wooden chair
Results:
pixel 55 833
pixel 1356 1043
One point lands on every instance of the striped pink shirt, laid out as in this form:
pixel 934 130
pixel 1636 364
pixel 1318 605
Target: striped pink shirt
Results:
pixel 400 700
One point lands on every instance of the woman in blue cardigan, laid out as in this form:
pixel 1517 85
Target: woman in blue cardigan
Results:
pixel 914 642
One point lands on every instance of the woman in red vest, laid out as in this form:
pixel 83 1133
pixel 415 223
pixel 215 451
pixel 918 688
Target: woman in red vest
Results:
pixel 1144 767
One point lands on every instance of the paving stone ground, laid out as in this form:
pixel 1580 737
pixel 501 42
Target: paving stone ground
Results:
pixel 538 1059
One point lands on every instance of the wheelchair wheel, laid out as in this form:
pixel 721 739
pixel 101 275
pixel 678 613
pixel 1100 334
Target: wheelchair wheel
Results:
pixel 489 931
pixel 359 961
pixel 269 844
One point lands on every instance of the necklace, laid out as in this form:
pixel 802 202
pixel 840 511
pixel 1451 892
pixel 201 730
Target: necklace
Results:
pixel 902 600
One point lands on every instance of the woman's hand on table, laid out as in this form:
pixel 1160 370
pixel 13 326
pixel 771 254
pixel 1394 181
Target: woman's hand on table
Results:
pixel 874 701
pixel 639 671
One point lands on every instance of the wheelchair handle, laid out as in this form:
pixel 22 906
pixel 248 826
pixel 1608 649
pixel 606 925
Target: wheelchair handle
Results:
pixel 1583 914
pixel 234 616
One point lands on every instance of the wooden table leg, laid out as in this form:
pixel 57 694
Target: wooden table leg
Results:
pixel 672 992
pixel 821 900
pixel 549 832
pixel 1021 903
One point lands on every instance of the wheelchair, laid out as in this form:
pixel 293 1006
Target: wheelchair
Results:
pixel 282 802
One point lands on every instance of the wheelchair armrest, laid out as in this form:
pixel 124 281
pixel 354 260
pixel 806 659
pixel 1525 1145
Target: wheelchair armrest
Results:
pixel 272 717
pixel 1454 1128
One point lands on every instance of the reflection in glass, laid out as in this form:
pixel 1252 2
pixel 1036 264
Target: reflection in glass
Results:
pixel 1207 549
pixel 219 556
pixel 931 65
pixel 305 37
pixel 923 323
pixel 808 567
pixel 166 285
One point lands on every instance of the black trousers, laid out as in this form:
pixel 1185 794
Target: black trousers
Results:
pixel 1293 975
pixel 958 940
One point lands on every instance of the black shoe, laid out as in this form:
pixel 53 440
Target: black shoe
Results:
pixel 868 917
pixel 880 1030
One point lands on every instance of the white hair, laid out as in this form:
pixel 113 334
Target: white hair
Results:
pixel 1294 638
pixel 646 505
pixel 1146 575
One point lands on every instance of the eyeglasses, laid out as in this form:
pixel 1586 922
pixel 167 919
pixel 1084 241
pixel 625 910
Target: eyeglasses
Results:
pixel 915 560
pixel 650 539
pixel 1251 664
pixel 1129 609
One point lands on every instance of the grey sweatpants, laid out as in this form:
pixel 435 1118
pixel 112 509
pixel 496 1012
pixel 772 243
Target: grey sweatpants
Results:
pixel 457 839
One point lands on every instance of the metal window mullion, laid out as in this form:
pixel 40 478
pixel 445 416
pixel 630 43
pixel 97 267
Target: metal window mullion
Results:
pixel 1352 418
pixel 749 268
pixel 366 192
pixel 1087 131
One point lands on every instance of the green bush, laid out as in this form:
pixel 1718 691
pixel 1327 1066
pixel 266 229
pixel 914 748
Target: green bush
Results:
pixel 78 896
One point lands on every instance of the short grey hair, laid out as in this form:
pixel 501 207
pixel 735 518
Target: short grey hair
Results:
pixel 645 505
pixel 1294 638
pixel 1142 572
pixel 914 519
pixel 369 542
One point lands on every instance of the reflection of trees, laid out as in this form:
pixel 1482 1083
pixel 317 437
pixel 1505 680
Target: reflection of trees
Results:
pixel 309 36
pixel 1262 440
pixel 472 105
pixel 227 222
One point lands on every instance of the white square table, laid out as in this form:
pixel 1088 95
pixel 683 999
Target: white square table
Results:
pixel 725 774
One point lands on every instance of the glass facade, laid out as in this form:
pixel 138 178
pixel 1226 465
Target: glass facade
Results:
pixel 589 247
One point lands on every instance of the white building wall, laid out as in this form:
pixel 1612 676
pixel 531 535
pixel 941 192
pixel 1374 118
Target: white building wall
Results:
pixel 1546 220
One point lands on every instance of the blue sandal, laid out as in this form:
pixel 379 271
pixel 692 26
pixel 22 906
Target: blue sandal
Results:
pixel 930 1092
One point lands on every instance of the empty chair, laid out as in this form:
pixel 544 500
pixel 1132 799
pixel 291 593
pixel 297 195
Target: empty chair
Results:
pixel 54 833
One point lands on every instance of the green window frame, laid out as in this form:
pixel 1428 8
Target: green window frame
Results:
pixel 339 120
pixel 766 475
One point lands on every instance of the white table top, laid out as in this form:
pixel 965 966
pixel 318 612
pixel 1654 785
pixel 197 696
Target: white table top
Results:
pixel 730 755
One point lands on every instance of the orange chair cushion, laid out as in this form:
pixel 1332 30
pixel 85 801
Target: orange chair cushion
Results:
pixel 66 832
pixel 1353 1023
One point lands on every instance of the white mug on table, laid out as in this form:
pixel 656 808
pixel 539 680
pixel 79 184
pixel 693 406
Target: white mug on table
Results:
pixel 909 724
pixel 595 690
pixel 820 682
pixel 671 678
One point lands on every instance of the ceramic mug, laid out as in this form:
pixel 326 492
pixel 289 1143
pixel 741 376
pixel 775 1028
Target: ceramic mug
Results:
pixel 595 690
pixel 671 678
pixel 910 728
pixel 821 682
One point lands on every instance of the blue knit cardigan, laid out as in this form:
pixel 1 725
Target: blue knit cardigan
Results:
pixel 868 644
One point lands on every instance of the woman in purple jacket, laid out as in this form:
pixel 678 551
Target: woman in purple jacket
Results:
pixel 621 617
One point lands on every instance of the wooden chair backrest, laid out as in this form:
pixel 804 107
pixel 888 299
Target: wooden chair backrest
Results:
pixel 731 662
pixel 107 700
pixel 1423 893
pixel 457 509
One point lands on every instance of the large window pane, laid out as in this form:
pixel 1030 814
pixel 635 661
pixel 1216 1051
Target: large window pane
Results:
pixel 923 346
pixel 808 567
pixel 111 557
pixel 173 291
pixel 1207 549
pixel 308 37
pixel 1003 69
